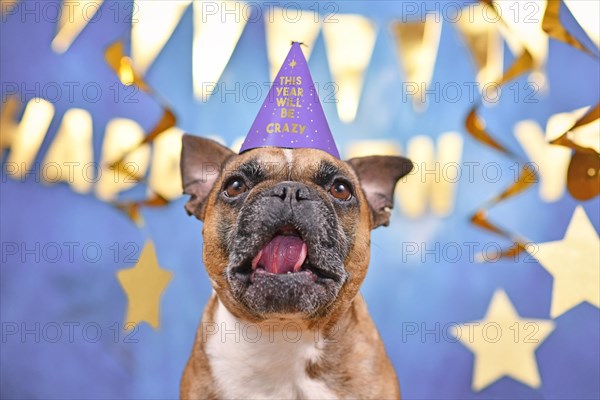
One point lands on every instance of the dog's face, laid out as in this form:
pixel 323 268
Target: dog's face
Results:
pixel 286 231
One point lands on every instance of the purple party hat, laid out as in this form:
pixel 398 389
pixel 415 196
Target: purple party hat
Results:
pixel 292 116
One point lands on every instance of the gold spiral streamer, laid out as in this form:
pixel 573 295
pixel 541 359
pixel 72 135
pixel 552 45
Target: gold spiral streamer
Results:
pixel 587 118
pixel 123 68
pixel 522 64
pixel 526 178
pixel 475 126
pixel 132 208
pixel 583 177
pixel 555 29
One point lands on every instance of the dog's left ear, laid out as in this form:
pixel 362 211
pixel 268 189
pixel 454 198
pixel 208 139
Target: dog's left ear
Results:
pixel 201 163
pixel 378 176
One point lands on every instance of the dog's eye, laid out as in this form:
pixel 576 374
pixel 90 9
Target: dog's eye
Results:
pixel 340 190
pixel 235 187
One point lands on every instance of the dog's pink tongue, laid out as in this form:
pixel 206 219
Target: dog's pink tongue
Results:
pixel 283 254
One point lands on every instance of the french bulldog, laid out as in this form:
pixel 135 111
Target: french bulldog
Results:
pixel 286 247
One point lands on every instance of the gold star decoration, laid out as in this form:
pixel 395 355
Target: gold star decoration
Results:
pixel 504 344
pixel 292 64
pixel 574 263
pixel 144 285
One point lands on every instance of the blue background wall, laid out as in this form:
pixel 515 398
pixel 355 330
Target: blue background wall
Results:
pixel 399 289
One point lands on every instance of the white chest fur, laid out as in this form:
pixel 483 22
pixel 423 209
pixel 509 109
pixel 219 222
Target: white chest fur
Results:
pixel 263 363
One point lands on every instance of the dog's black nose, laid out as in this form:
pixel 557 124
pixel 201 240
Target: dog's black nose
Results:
pixel 291 191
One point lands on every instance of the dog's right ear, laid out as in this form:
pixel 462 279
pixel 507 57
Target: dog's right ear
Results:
pixel 201 162
pixel 378 176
